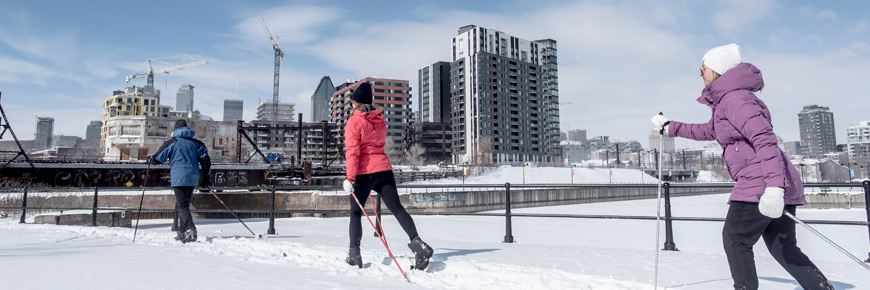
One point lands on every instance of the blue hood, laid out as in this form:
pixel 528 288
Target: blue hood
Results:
pixel 183 132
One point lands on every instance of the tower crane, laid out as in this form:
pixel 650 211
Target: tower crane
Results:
pixel 279 56
pixel 150 73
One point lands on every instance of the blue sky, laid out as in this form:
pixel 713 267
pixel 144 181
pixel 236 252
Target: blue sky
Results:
pixel 620 62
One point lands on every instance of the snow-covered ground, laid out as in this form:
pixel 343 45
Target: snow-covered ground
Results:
pixel 562 175
pixel 308 253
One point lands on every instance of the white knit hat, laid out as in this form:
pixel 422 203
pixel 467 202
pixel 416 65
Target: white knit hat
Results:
pixel 722 58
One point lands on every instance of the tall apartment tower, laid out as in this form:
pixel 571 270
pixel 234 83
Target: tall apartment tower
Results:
pixel 233 110
pixel 504 90
pixel 44 132
pixel 858 138
pixel 433 81
pixel 184 99
pixel 817 131
pixel 265 113
pixel 391 94
pixel 320 99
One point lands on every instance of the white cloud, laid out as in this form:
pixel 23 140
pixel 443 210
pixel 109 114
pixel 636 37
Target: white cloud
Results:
pixel 732 16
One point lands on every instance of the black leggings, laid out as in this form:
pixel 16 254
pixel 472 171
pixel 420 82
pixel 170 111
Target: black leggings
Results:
pixel 385 184
pixel 744 224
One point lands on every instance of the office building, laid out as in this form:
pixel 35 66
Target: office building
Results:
pixel 233 110
pixel 320 100
pixel 184 99
pixel 44 132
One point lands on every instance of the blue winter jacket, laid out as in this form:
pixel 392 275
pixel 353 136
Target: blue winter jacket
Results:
pixel 185 155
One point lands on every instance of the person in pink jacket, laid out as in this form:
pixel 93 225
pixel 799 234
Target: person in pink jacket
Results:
pixel 766 181
pixel 368 168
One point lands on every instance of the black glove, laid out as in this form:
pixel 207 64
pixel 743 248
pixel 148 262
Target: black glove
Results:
pixel 150 159
pixel 204 181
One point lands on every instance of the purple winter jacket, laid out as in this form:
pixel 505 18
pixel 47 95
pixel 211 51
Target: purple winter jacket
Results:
pixel 741 125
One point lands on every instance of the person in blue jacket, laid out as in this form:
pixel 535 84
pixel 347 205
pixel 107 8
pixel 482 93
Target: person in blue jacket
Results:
pixel 185 155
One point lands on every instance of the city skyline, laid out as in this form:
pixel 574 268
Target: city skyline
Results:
pixel 634 59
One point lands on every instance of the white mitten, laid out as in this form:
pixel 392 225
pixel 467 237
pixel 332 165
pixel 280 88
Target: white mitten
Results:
pixel 348 186
pixel 771 202
pixel 660 122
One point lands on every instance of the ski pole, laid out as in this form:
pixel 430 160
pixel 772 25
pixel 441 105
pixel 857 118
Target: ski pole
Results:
pixel 141 200
pixel 379 235
pixel 827 240
pixel 659 204
pixel 231 211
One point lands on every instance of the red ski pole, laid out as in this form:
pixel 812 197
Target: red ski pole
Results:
pixel 379 235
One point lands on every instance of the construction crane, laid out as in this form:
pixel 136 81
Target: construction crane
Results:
pixel 150 73
pixel 279 56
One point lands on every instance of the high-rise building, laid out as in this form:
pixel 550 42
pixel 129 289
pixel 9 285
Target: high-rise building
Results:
pixel 265 111
pixel 817 131
pixel 93 131
pixel 44 132
pixel 858 138
pixel 433 81
pixel 655 142
pixel 184 99
pixel 391 94
pixel 132 101
pixel 233 110
pixel 320 100
pixel 504 98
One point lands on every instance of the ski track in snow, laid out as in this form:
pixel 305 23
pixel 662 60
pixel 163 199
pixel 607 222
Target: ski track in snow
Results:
pixel 460 274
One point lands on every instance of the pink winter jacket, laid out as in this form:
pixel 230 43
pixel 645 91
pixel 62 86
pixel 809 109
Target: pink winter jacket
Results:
pixel 364 138
pixel 741 125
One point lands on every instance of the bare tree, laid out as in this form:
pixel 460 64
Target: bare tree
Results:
pixel 414 156
pixel 392 152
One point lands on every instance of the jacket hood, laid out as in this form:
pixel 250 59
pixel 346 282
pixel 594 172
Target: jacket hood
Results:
pixel 183 132
pixel 744 76
pixel 369 113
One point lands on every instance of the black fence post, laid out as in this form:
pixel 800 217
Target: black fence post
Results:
pixel 271 230
pixel 669 228
pixel 94 210
pixel 23 207
pixel 867 210
pixel 508 235
pixel 377 206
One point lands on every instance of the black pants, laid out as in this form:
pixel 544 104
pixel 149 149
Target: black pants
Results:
pixel 184 220
pixel 744 224
pixel 384 183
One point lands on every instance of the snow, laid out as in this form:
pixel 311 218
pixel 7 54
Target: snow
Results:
pixel 308 253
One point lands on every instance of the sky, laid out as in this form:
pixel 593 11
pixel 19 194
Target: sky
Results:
pixel 620 62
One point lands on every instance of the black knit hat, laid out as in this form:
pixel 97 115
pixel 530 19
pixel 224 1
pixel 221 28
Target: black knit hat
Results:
pixel 180 123
pixel 362 94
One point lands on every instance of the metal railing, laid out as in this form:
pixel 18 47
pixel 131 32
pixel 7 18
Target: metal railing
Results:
pixel 508 238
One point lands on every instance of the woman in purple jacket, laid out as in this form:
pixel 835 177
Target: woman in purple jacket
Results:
pixel 767 182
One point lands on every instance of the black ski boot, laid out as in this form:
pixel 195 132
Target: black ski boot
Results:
pixel 422 253
pixel 354 258
pixel 189 235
